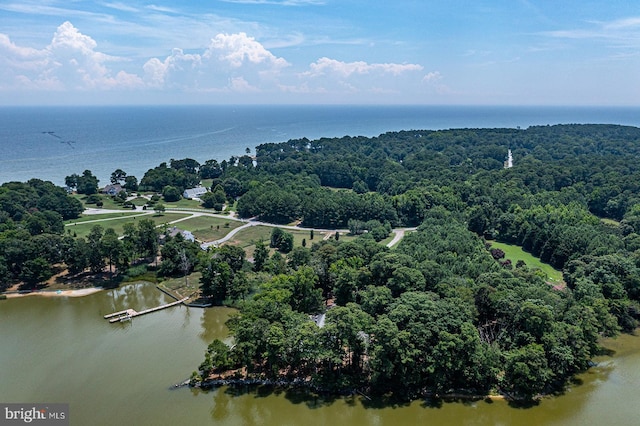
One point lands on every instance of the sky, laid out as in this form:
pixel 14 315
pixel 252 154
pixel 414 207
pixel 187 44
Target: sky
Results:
pixel 426 52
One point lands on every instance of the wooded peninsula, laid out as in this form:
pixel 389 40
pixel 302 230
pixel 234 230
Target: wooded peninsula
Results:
pixel 442 312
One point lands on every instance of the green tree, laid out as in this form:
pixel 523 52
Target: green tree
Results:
pixel 147 238
pixel 286 243
pixel 210 170
pixel 76 254
pixel 112 248
pixel 216 279
pixel 298 257
pixel 118 176
pixel 35 271
pixel 179 256
pixel 526 371
pixel 171 193
pixel 87 183
pixel 209 201
pixel 95 253
pixel 131 183
pixel 232 187
pixel 233 255
pixel 260 256
pixel 281 240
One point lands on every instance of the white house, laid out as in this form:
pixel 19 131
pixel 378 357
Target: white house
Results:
pixel 196 192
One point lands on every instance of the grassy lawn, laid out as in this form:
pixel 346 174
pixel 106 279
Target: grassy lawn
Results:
pixel 82 229
pixel 206 228
pixel 515 253
pixel 183 203
pixel 140 201
pixel 610 222
pixel 107 201
pixel 124 214
pixel 249 236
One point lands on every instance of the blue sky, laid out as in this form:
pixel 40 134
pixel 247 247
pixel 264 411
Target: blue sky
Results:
pixel 482 52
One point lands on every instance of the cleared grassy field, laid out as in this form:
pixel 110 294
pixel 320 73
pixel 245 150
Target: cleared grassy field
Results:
pixel 124 214
pixel 207 228
pixel 107 201
pixel 82 229
pixel 183 203
pixel 249 236
pixel 515 253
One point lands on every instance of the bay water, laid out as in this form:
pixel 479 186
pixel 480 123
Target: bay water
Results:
pixel 50 143
pixel 62 350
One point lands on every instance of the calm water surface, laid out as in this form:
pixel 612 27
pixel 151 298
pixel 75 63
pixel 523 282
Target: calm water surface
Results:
pixel 62 350
pixel 136 139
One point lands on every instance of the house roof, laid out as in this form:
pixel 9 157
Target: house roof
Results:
pixel 186 234
pixel 194 192
pixel 112 189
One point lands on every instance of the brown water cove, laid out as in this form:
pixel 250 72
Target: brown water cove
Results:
pixel 62 350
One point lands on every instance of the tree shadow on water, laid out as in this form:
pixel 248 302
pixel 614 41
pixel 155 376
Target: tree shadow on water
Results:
pixel 295 395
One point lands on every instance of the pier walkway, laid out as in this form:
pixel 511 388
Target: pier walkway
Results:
pixel 127 314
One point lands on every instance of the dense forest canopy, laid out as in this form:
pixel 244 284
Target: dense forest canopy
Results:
pixel 438 313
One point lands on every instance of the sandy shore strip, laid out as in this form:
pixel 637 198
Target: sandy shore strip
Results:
pixel 57 293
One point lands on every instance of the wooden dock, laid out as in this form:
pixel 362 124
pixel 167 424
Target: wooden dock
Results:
pixel 127 314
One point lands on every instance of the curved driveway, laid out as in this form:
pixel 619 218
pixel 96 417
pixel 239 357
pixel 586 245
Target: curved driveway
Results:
pixel 398 232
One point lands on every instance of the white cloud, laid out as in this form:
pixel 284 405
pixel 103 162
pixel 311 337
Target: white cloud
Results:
pixel 239 84
pixel 433 82
pixel 19 57
pixel 618 33
pixel 432 77
pixel 175 71
pixel 163 9
pixel 70 61
pixel 238 49
pixel 234 62
pixel 340 79
pixel 624 23
pixel 123 7
pixel 326 65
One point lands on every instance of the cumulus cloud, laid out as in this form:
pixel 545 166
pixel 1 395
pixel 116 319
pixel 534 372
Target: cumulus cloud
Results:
pixel 234 62
pixel 229 63
pixel 239 49
pixel 177 70
pixel 70 61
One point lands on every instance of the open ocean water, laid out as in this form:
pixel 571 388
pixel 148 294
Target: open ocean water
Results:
pixel 136 138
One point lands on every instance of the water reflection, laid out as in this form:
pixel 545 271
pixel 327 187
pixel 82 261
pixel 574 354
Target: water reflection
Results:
pixel 61 349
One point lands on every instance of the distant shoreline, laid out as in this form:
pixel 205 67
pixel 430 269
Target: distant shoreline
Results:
pixel 55 293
